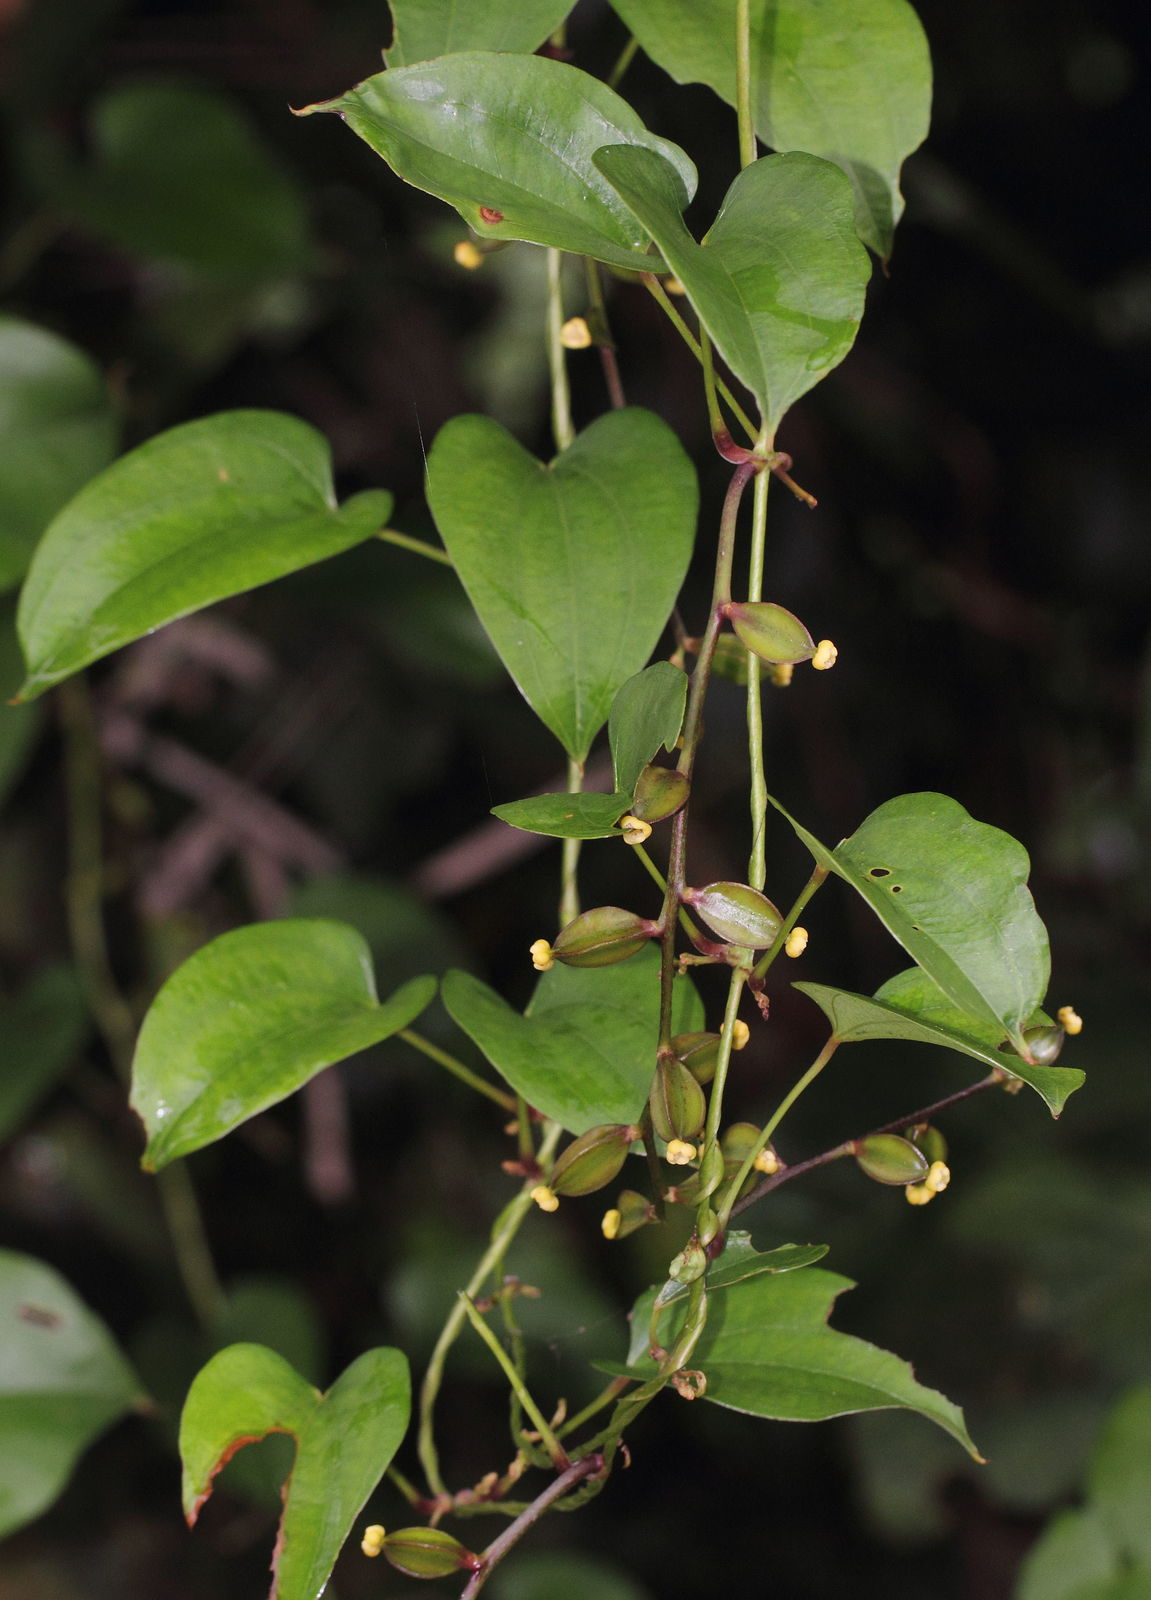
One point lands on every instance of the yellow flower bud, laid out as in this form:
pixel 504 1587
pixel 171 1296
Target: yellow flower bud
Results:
pixel 740 1034
pixel 469 257
pixel 575 334
pixel 634 830
pixel 544 1198
pixel 541 954
pixel 373 1541
pixel 1069 1020
pixel 673 286
pixel 796 942
pixel 767 1161
pixel 609 1227
pixel 782 674
pixel 938 1177
pixel 918 1194
pixel 825 655
pixel 680 1152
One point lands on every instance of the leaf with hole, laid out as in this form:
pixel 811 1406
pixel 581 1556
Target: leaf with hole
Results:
pixel 248 1019
pixel 508 140
pixel 63 1381
pixel 584 1052
pixel 345 1441
pixel 849 80
pixel 779 281
pixel 573 567
pixel 59 430
pixel 646 716
pixel 206 510
pixel 427 28
pixel 911 1006
pixel 566 816
pixel 953 891
pixel 767 1350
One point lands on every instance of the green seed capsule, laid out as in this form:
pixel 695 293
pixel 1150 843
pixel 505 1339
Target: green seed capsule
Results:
pixel 889 1159
pixel 1044 1044
pixel 737 913
pixel 593 1160
pixel 633 1210
pixel 698 1052
pixel 678 1106
pixel 659 792
pixel 770 632
pixel 428 1553
pixel 599 937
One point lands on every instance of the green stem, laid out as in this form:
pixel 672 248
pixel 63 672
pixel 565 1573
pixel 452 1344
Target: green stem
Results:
pixel 569 883
pixel 747 146
pixel 723 1060
pixel 660 295
pixel 550 1443
pixel 626 57
pixel 757 864
pixel 504 1230
pixel 601 333
pixel 818 877
pixel 772 1124
pixel 657 876
pixel 562 428
pixel 113 1016
pixel 419 547
pixel 457 1069
pixel 605 1397
pixel 409 1491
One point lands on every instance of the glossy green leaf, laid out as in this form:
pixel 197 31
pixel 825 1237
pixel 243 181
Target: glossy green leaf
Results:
pixel 911 1006
pixel 566 816
pixel 508 140
pixel 584 1053
pixel 59 430
pixel 646 716
pixel 62 1382
pixel 345 1441
pixel 738 1260
pixel 954 893
pixel 767 1350
pixel 178 173
pixel 40 1030
pixel 574 567
pixel 248 1019
pixel 779 282
pixel 849 80
pixel 1119 1480
pixel 203 511
pixel 427 28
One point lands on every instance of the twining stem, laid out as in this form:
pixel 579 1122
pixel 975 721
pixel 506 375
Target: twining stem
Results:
pixel 457 1068
pixel 757 863
pixel 773 1122
pixel 569 882
pixel 563 429
pixel 419 547
pixel 924 1114
pixel 605 1397
pixel 506 1226
pixel 514 1532
pixel 723 1058
pixel 660 295
pixel 818 877
pixel 657 876
pixel 743 105
pixel 601 333
pixel 550 1443
pixel 113 1016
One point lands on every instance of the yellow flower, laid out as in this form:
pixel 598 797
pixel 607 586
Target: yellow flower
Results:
pixel 373 1541
pixel 1069 1020
pixel 918 1194
pixel 938 1177
pixel 796 942
pixel 825 655
pixel 468 256
pixel 609 1227
pixel 767 1161
pixel 782 674
pixel 634 830
pixel 575 334
pixel 740 1034
pixel 544 1198
pixel 680 1152
pixel 541 954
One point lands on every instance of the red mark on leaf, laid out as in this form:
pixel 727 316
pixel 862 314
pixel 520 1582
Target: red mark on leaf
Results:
pixel 226 1455
pixel 38 1316
pixel 490 215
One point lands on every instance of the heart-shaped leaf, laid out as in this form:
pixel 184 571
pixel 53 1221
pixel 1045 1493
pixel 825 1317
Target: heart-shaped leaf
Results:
pixel 767 1350
pixel 574 567
pixel 345 1441
pixel 59 430
pixel 248 1019
pixel 206 510
pixel 646 716
pixel 954 892
pixel 62 1382
pixel 779 283
pixel 566 816
pixel 585 1051
pixel 508 140
pixel 427 28
pixel 911 1006
pixel 849 80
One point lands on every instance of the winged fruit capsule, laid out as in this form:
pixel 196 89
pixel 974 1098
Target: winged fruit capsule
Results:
pixel 736 912
pixel 592 1160
pixel 428 1553
pixel 888 1158
pixel 678 1105
pixel 599 937
pixel 769 631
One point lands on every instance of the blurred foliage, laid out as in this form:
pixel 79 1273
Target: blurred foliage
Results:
pixel 980 556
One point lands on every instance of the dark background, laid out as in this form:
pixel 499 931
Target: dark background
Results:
pixel 980 555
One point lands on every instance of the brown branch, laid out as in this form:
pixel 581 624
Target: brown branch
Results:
pixel 514 1532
